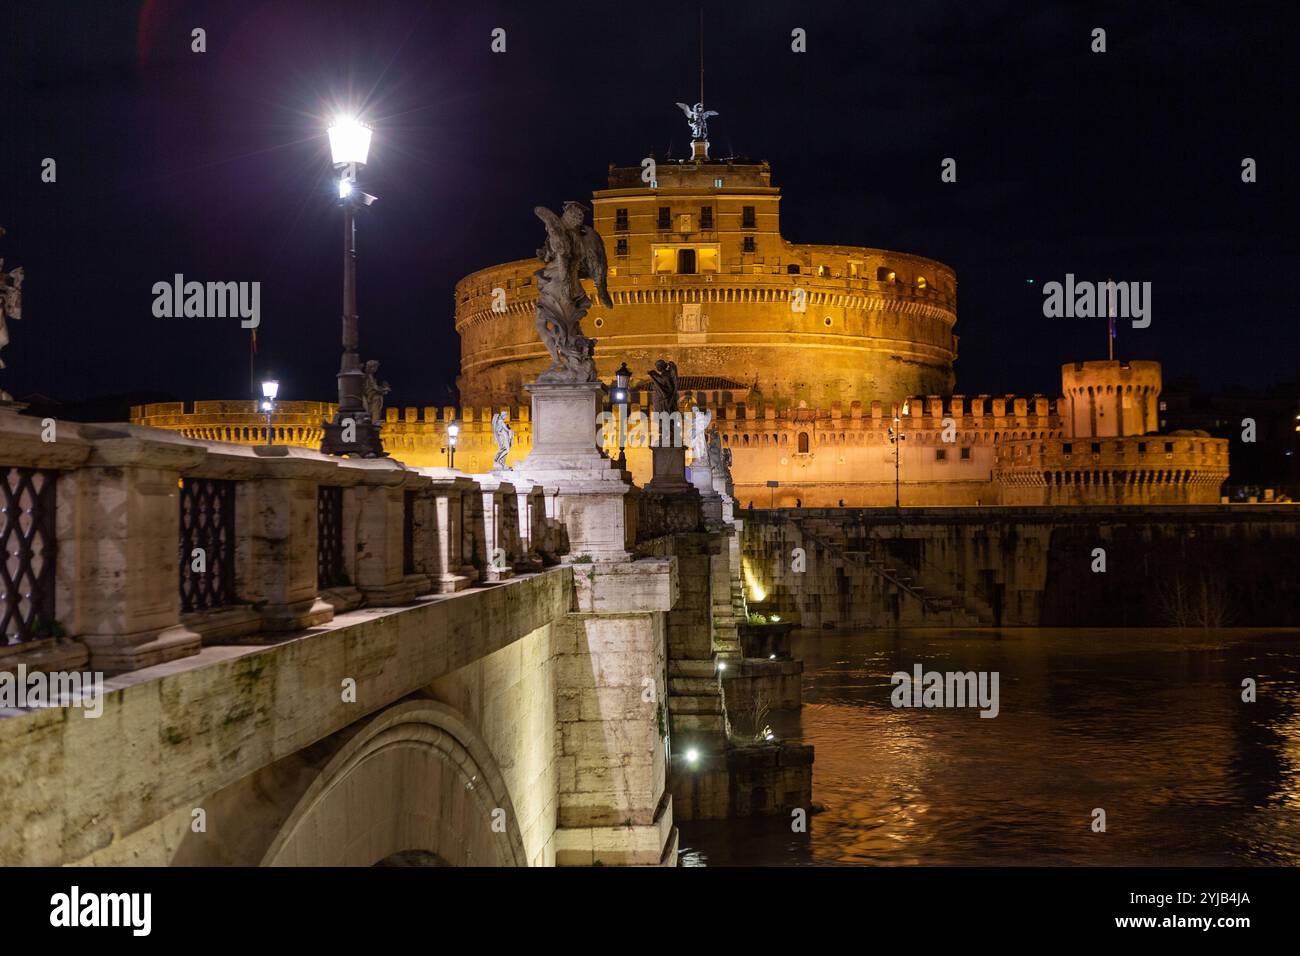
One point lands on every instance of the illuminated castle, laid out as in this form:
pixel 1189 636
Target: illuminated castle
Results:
pixel 811 358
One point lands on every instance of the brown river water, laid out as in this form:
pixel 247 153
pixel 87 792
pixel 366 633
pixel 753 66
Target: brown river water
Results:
pixel 1148 725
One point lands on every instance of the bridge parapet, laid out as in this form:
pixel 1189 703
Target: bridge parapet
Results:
pixel 137 545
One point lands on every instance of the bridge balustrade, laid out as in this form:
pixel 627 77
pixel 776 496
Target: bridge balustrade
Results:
pixel 127 546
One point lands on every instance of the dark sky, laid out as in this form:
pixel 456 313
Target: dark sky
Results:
pixel 215 165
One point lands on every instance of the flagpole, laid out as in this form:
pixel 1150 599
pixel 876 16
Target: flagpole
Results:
pixel 1110 324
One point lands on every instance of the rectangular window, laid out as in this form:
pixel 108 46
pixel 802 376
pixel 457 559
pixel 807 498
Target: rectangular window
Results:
pixel 665 217
pixel 1169 448
pixel 1142 448
pixel 706 217
pixel 620 220
pixel 1096 448
pixel 620 247
pixel 941 454
pixel 686 262
pixel 792 269
pixel 1067 448
pixel 965 454
pixel 748 245
pixel 747 218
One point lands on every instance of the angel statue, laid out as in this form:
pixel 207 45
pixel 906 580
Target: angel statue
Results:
pixel 572 252
pixel 505 437
pixel 698 118
pixel 699 437
pixel 373 392
pixel 663 381
pixel 717 457
pixel 11 307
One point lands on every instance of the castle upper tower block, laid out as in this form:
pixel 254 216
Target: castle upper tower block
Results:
pixel 700 274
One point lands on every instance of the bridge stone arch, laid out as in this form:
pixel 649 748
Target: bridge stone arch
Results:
pixel 415 779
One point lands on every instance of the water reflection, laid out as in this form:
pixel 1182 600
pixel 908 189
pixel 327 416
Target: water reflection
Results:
pixel 1148 725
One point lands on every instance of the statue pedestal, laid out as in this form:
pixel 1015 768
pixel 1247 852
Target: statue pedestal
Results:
pixel 596 499
pixel 669 503
pixel 352 433
pixel 712 503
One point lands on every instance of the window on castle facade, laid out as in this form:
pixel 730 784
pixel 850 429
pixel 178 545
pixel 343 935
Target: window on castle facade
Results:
pixel 620 220
pixel 748 245
pixel 941 454
pixel 706 217
pixel 620 247
pixel 965 454
pixel 793 269
pixel 748 220
pixel 665 217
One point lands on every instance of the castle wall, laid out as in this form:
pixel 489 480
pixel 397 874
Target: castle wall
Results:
pixel 1004 450
pixel 1226 565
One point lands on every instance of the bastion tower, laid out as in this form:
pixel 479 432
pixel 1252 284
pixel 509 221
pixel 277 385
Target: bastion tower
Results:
pixel 700 274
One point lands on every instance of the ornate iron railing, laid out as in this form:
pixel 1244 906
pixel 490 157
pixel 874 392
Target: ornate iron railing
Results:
pixel 29 543
pixel 207 545
pixel 330 572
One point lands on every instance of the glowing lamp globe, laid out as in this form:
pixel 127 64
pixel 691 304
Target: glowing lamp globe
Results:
pixel 349 141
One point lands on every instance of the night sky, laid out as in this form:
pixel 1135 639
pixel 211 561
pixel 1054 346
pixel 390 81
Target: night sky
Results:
pixel 215 165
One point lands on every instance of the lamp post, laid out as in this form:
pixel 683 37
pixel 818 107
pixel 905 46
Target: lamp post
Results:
pixel 619 396
pixel 896 437
pixel 352 432
pixel 270 389
pixel 453 433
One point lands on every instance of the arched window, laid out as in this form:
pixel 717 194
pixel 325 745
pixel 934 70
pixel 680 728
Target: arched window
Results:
pixel 803 443
pixel 921 282
pixel 885 274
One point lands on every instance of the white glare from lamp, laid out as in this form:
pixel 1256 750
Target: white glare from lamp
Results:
pixel 453 431
pixel 345 188
pixel 270 389
pixel 349 141
pixel 692 756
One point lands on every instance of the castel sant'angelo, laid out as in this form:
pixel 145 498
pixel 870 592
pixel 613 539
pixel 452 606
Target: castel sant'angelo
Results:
pixel 811 359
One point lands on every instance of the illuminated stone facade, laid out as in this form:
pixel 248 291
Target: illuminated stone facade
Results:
pixel 804 354
pixel 700 275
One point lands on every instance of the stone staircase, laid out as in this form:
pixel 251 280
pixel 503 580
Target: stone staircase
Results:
pixel 695 701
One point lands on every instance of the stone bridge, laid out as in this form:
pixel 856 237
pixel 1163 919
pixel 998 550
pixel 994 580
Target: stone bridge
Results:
pixel 321 661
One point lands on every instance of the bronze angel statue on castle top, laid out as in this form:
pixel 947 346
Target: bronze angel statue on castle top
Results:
pixel 572 252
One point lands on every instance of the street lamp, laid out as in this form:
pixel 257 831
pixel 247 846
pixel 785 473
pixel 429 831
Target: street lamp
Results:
pixel 351 432
pixel 453 433
pixel 619 396
pixel 270 389
pixel 896 437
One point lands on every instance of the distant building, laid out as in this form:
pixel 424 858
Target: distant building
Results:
pixel 809 356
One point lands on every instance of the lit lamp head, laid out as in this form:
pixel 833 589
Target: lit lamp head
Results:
pixel 622 379
pixel 453 432
pixel 349 141
pixel 270 389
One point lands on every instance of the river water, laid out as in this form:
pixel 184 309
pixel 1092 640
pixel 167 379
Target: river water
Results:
pixel 1147 725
